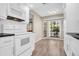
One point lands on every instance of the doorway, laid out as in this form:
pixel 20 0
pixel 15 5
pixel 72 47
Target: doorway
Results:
pixel 53 28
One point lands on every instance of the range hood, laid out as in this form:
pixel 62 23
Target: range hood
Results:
pixel 14 18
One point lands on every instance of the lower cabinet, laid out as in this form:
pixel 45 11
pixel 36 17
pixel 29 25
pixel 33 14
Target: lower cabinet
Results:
pixel 6 51
pixel 74 46
pixel 71 46
pixel 33 37
pixel 69 51
pixel 67 45
pixel 6 46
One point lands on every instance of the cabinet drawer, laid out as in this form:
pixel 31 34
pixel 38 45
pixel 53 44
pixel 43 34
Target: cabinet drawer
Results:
pixel 5 41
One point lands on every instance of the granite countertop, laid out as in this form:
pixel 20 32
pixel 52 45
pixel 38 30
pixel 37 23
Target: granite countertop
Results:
pixel 6 34
pixel 75 35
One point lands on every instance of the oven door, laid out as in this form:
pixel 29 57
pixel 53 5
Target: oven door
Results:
pixel 22 43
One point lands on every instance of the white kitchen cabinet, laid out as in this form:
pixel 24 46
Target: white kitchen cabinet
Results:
pixel 6 51
pixel 18 10
pixel 32 38
pixel 74 46
pixel 71 17
pixel 26 14
pixel 15 10
pixel 67 43
pixel 71 26
pixel 3 10
pixel 16 6
pixel 6 46
pixel 71 46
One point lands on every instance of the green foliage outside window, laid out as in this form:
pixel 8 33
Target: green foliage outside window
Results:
pixel 54 28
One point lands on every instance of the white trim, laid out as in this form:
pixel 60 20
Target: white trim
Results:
pixel 38 40
pixel 52 38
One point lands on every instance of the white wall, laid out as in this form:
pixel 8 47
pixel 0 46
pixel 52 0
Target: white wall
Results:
pixel 38 27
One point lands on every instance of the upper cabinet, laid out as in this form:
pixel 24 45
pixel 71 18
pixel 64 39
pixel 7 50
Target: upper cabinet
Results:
pixel 14 10
pixel 72 17
pixel 19 11
pixel 3 10
pixel 26 14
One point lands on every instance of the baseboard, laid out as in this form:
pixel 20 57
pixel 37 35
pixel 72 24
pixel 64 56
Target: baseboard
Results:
pixel 38 40
pixel 53 38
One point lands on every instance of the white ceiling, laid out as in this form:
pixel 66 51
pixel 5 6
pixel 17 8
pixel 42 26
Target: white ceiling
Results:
pixel 47 9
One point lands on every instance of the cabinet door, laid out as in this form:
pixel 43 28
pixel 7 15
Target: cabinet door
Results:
pixel 16 6
pixel 15 10
pixel 33 38
pixel 6 51
pixel 72 17
pixel 6 41
pixel 26 14
pixel 74 46
pixel 67 45
pixel 19 11
pixel 6 46
pixel 3 10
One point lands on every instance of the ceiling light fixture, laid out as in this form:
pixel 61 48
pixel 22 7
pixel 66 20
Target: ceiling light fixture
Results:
pixel 43 3
pixel 52 12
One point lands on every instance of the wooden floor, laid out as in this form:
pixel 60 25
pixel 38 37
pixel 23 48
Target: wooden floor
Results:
pixel 49 47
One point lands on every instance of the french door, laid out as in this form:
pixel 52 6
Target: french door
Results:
pixel 52 28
